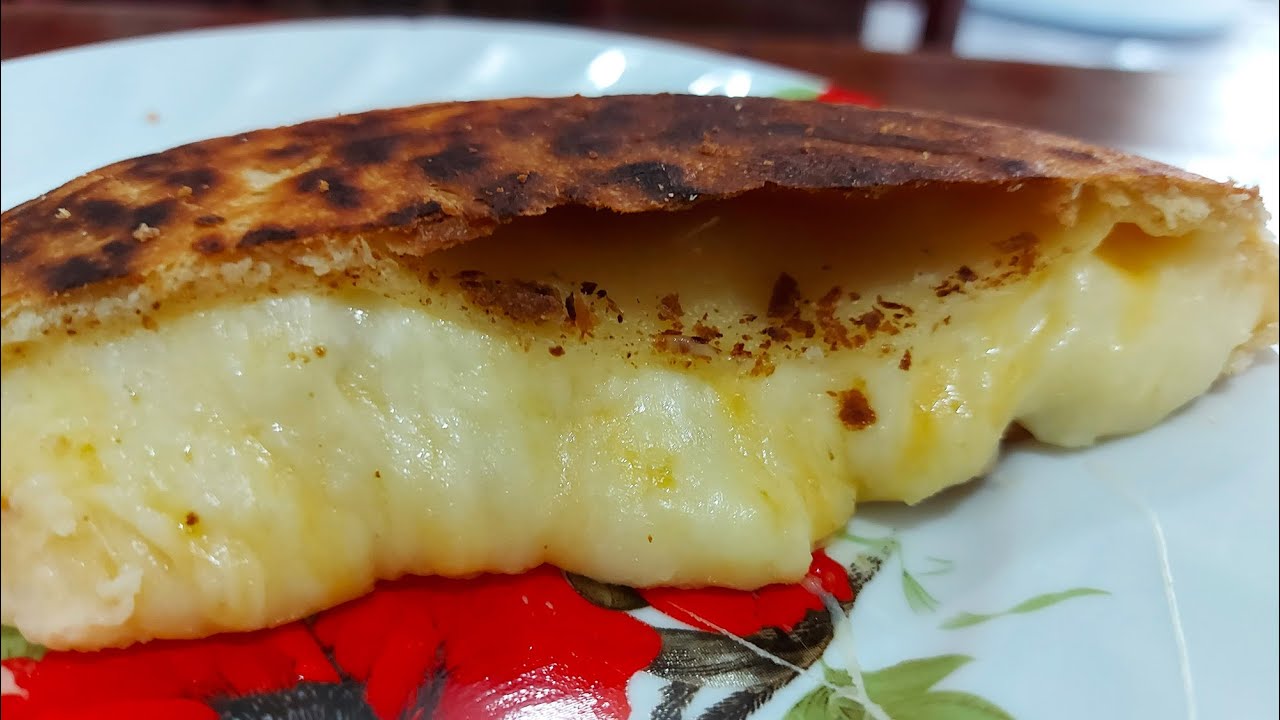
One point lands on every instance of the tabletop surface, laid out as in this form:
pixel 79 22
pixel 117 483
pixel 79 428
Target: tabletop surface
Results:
pixel 1219 119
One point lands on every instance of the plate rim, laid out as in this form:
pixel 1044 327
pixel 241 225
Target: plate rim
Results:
pixel 544 30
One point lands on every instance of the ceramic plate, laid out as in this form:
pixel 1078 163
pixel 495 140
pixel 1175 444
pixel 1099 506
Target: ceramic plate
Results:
pixel 1137 579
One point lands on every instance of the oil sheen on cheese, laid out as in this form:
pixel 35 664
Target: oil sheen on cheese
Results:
pixel 689 399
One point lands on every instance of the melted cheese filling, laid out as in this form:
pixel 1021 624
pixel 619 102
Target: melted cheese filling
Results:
pixel 249 462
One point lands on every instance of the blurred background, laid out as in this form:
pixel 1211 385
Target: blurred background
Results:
pixel 1118 34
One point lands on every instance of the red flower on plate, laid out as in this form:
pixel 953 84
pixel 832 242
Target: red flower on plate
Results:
pixel 489 647
pixel 542 643
pixel 841 96
pixel 743 613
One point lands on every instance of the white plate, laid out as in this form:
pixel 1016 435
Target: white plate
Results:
pixel 1178 526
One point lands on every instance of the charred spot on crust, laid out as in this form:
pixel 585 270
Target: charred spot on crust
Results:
pixel 14 249
pixel 267 234
pixel 119 251
pixel 514 194
pixel 818 170
pixel 152 166
pixel 1014 167
pixel 412 212
pixel 154 214
pixel 883 135
pixel 786 129
pixel 521 123
pixel 370 151
pixel 209 220
pixel 103 214
pixel 329 183
pixel 198 179
pixel 657 180
pixel 285 152
pixel 854 410
pixel 362 124
pixel 80 271
pixel 453 161
pixel 712 117
pixel 599 133
pixel 578 141
pixel 208 245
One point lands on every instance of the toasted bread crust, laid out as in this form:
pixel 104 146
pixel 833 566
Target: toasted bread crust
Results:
pixel 432 176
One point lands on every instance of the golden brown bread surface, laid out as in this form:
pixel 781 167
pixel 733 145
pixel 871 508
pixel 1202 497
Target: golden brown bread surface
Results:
pixel 438 175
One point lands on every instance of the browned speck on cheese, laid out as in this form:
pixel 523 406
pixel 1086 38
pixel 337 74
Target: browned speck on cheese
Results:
pixel 669 308
pixel 854 410
pixel 519 300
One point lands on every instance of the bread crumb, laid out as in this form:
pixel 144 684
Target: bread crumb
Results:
pixel 62 213
pixel 153 118
pixel 145 232
pixel 185 191
pixel 323 186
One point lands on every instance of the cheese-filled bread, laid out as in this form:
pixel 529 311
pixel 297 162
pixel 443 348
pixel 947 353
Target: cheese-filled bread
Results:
pixel 654 340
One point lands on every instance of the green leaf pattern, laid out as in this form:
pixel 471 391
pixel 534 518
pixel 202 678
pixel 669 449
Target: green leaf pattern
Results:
pixel 13 645
pixel 904 692
pixel 796 93
pixel 919 599
pixel 1039 602
pixel 910 678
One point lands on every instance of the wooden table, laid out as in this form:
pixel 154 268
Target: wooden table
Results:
pixel 1214 119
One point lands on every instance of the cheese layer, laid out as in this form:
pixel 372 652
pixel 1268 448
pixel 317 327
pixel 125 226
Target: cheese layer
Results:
pixel 250 461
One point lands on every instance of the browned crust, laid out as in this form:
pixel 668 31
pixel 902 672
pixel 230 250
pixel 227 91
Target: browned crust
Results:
pixel 437 175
